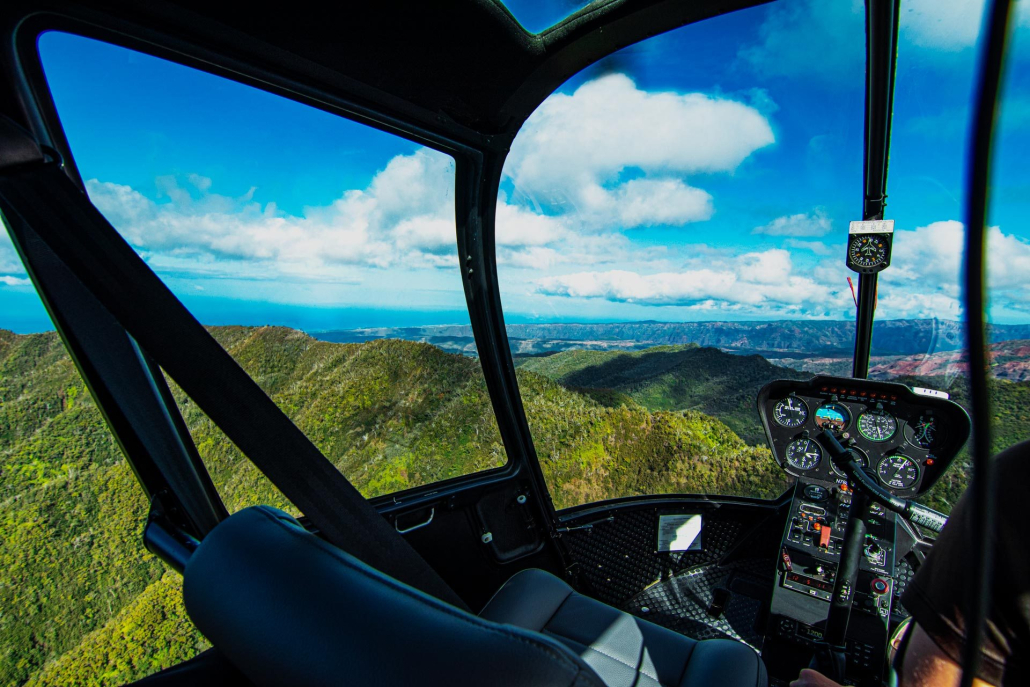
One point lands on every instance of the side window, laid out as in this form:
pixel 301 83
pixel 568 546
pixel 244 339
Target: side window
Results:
pixel 79 596
pixel 320 253
pixel 670 238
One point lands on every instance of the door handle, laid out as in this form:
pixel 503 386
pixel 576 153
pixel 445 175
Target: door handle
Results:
pixel 418 526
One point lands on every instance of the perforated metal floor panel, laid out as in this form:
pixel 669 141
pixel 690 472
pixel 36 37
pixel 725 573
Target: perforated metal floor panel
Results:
pixel 682 602
pixel 617 563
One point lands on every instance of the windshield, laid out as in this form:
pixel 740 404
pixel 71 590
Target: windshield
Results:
pixel 672 231
pixel 670 236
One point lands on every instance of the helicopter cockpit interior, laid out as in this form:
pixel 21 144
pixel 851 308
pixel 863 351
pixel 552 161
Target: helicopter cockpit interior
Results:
pixel 498 342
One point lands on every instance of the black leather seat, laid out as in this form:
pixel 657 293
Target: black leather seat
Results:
pixel 288 608
pixel 622 649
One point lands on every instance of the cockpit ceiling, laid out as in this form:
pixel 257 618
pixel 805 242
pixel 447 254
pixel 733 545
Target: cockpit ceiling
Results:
pixel 451 65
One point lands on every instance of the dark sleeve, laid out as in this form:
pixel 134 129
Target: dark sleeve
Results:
pixel 938 596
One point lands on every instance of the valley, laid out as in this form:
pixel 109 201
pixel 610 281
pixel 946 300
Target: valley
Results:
pixel 799 339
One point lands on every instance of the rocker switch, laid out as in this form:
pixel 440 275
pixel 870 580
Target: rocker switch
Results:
pixel 824 536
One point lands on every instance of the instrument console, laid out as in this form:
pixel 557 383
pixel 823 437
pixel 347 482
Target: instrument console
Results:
pixel 907 437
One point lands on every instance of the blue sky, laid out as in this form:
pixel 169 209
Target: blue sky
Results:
pixel 705 174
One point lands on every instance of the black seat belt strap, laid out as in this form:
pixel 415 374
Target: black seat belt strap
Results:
pixel 41 203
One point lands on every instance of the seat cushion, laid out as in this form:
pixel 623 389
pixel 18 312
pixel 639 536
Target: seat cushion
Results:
pixel 624 650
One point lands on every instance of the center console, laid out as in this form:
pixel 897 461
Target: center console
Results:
pixel 809 554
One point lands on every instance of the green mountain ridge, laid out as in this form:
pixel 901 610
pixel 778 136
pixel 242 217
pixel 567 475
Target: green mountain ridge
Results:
pixel 724 386
pixel 686 377
pixel 77 589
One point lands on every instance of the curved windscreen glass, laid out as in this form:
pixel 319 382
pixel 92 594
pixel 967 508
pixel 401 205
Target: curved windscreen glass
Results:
pixel 670 237
pixel 937 62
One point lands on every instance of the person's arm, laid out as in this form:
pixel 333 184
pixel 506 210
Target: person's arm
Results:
pixel 924 665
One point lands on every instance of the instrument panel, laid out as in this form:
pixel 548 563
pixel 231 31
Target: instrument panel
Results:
pixel 906 437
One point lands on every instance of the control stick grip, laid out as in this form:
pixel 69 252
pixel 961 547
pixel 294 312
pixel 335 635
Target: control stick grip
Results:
pixel 928 518
pixel 917 513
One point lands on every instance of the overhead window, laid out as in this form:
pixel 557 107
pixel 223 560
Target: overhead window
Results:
pixel 671 236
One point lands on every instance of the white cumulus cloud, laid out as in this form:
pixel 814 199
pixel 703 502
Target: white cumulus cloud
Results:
pixel 925 276
pixel 950 25
pixel 817 38
pixel 12 272
pixel 815 223
pixel 612 155
pixel 406 214
pixel 764 282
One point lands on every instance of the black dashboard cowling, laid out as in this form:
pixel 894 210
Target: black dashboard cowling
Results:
pixel 888 423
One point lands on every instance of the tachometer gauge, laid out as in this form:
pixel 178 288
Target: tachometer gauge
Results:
pixel 898 471
pixel 859 455
pixel 791 412
pixel 803 454
pixel 833 416
pixel 924 432
pixel 876 425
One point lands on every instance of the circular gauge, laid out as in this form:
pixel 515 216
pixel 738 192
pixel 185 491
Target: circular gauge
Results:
pixel 859 455
pixel 814 492
pixel 803 454
pixel 833 416
pixel 867 251
pixel 925 432
pixel 898 471
pixel 877 425
pixel 791 412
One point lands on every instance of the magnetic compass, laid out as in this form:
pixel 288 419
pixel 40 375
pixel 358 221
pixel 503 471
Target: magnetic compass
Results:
pixel 869 245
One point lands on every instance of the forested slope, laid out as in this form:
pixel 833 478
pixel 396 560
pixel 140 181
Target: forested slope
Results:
pixel 671 378
pixel 82 603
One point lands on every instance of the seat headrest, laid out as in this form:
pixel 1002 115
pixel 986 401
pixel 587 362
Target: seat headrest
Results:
pixel 287 608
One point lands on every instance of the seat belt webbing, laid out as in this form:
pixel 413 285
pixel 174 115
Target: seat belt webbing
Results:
pixel 41 203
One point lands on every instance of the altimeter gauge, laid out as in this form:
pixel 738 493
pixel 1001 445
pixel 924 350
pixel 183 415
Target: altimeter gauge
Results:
pixel 803 454
pixel 876 425
pixel 898 471
pixel 869 245
pixel 791 412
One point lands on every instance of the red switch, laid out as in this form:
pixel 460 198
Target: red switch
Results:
pixel 824 536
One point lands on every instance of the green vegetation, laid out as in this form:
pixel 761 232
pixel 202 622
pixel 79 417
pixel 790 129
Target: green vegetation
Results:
pixel 81 603
pixel 685 377
pixel 79 594
pixel 724 386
